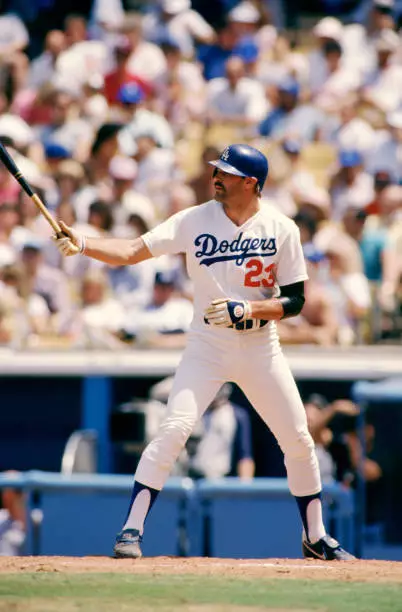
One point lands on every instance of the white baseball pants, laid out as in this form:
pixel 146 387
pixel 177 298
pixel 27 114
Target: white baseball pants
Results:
pixel 256 364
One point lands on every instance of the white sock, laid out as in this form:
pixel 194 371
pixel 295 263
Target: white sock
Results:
pixel 316 529
pixel 139 511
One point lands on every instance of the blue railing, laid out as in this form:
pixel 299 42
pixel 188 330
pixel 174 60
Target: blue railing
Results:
pixel 80 514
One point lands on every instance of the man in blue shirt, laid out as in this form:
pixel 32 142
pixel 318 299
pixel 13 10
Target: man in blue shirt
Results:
pixel 213 57
pixel 289 118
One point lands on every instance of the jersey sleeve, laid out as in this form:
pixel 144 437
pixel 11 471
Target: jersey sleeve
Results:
pixel 168 238
pixel 291 266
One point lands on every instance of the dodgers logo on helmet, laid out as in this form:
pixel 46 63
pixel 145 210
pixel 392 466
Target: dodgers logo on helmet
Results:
pixel 225 154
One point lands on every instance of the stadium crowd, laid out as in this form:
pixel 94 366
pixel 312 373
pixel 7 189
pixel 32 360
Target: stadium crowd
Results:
pixel 112 117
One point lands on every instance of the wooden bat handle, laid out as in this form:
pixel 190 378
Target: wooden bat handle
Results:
pixel 47 214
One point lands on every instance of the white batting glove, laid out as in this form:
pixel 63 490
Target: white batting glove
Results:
pixel 225 312
pixel 71 243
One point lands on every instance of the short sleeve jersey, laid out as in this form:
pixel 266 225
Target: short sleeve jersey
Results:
pixel 247 262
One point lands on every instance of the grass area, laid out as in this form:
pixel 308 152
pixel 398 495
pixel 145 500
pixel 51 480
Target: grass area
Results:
pixel 53 592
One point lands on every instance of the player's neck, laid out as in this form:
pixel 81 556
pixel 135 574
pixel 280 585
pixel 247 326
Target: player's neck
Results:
pixel 239 212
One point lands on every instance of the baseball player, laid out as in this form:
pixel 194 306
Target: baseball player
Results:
pixel 247 266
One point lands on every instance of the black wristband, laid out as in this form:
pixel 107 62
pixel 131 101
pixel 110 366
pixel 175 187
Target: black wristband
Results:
pixel 292 299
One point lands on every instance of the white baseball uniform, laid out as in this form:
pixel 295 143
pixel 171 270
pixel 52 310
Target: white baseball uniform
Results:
pixel 247 262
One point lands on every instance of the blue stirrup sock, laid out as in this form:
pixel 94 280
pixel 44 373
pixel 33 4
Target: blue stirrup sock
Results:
pixel 310 508
pixel 141 502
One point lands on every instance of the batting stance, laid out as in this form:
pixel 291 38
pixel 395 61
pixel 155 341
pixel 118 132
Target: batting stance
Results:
pixel 247 267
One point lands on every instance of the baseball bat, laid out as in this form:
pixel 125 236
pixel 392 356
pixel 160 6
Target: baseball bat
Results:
pixel 11 166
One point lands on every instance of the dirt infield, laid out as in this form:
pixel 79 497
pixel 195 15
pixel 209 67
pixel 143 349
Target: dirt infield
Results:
pixel 351 571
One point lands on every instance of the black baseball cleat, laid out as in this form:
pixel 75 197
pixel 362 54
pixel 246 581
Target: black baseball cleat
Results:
pixel 128 544
pixel 326 549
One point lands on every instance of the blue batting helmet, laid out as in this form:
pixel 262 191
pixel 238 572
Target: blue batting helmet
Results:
pixel 243 160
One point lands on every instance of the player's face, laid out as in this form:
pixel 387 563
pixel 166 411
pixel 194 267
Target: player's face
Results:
pixel 226 185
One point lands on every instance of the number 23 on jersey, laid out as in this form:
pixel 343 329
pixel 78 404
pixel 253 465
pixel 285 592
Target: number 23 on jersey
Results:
pixel 258 275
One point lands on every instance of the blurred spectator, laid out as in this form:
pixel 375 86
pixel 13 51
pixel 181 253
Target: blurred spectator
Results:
pixel 121 75
pixel 69 178
pixel 332 451
pixel 299 178
pixel 368 468
pixel 8 221
pixel 213 57
pixel 289 119
pixel 12 521
pixel 141 121
pixel 307 225
pixel 350 184
pixel 385 156
pixel 16 133
pixel 339 80
pixel 379 256
pixel 351 131
pixel 327 30
pixel 181 197
pixel 165 319
pixel 253 20
pixel 181 89
pixel 126 201
pixel 348 287
pixel 221 444
pixel 65 127
pixel 176 20
pixel 93 105
pixel 82 56
pixel 13 326
pixel 100 216
pixel 146 59
pixel 105 18
pixel 54 154
pixel 133 285
pixel 32 309
pixel 9 190
pixel 99 311
pixel 43 68
pixel 14 39
pixel 104 148
pixel 318 323
pixel 382 180
pixel 235 98
pixel 382 88
pixel 157 171
pixel 48 282
pixel 202 182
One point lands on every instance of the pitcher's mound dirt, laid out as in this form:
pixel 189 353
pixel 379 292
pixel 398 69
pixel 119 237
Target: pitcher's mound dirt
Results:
pixel 363 571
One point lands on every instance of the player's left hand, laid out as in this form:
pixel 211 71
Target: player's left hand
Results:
pixel 225 312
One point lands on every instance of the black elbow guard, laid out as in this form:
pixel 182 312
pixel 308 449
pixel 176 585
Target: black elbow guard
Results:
pixel 292 299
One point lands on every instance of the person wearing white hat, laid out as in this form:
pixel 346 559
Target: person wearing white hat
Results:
pixel 363 27
pixel 246 17
pixel 340 81
pixel 251 21
pixel 176 20
pixel 327 29
pixel 126 200
pixel 383 89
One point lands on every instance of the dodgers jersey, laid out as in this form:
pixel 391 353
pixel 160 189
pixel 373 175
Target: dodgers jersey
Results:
pixel 247 262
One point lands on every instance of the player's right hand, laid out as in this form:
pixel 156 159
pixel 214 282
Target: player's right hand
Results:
pixel 70 242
